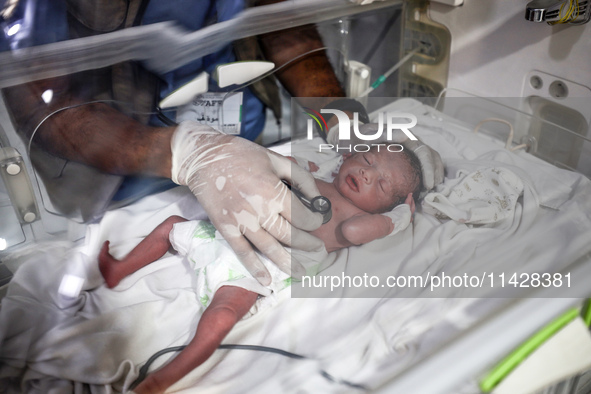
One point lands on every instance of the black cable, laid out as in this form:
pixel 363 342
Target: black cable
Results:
pixel 264 349
pixel 163 118
pixel 144 369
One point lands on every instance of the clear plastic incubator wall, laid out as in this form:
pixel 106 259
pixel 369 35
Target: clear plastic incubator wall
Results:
pixel 497 85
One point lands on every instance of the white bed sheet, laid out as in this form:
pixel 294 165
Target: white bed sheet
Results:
pixel 101 337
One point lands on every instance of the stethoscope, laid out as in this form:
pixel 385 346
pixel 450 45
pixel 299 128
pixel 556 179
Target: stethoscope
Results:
pixel 319 204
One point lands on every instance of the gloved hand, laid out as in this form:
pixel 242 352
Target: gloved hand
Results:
pixel 239 185
pixel 431 164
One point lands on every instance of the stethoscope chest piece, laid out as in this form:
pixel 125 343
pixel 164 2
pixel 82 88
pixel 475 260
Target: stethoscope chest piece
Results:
pixel 319 204
pixel 322 205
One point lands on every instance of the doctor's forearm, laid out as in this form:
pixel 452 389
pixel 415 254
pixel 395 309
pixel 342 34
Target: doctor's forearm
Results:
pixel 93 134
pixel 311 76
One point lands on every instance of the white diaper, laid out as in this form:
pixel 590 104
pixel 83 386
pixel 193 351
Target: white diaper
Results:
pixel 216 264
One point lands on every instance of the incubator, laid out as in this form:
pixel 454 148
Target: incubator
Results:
pixel 487 85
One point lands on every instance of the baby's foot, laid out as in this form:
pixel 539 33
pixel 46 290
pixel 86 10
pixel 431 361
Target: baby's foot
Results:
pixel 108 266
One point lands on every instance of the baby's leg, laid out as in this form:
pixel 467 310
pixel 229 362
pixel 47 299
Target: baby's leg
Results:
pixel 228 306
pixel 154 246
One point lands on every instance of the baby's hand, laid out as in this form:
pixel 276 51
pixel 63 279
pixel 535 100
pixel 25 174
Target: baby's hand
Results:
pixel 401 216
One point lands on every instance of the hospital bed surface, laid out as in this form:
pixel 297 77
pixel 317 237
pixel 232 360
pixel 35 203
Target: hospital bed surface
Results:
pixel 51 337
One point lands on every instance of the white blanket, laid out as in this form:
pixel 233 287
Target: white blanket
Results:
pixel 100 338
pixel 485 196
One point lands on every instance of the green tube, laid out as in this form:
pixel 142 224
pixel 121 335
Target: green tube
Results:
pixel 523 351
pixel 378 81
pixel 586 313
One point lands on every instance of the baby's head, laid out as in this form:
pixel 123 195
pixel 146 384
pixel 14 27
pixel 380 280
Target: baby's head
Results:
pixel 378 180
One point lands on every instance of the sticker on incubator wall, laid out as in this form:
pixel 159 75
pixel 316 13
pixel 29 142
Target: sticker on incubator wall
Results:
pixel 222 111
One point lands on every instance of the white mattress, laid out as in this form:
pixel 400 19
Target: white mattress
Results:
pixel 101 337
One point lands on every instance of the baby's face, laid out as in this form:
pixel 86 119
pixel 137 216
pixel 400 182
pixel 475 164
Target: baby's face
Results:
pixel 371 179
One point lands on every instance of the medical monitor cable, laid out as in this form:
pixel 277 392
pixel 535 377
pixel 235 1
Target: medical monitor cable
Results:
pixel 165 119
pixel 76 106
pixel 277 69
pixel 273 71
pixel 143 372
pixel 64 165
pixel 377 83
pixel 169 122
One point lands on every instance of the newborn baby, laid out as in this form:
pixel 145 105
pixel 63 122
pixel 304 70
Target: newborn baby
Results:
pixel 366 197
pixel 373 195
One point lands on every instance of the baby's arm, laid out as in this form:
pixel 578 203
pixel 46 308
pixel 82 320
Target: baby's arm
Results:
pixel 228 306
pixel 154 246
pixel 365 228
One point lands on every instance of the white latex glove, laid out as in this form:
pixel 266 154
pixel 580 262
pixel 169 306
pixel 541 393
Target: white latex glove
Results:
pixel 239 185
pixel 431 164
pixel 401 217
